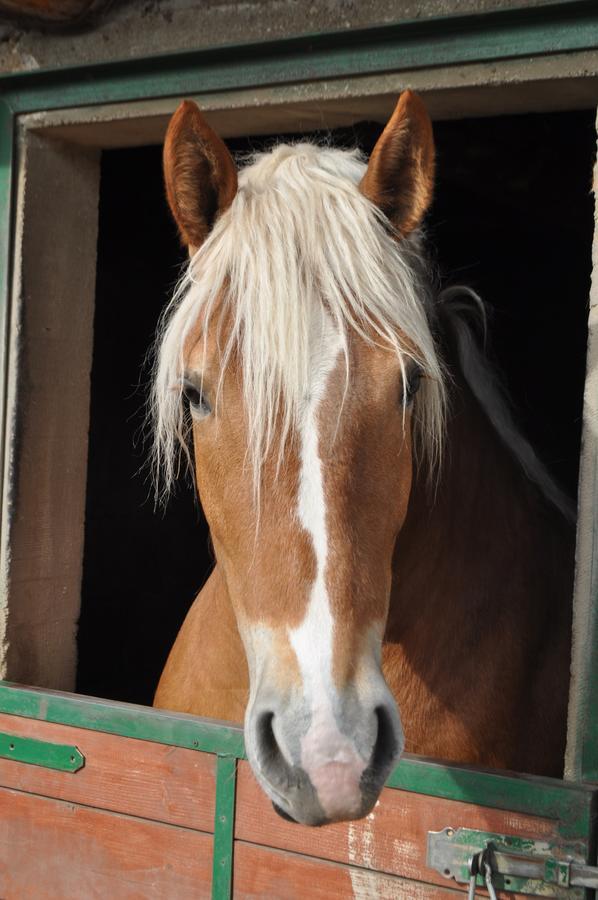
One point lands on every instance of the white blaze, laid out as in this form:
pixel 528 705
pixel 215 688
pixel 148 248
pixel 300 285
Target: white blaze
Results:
pixel 327 755
pixel 312 640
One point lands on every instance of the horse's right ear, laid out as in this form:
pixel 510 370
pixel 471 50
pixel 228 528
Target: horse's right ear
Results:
pixel 399 178
pixel 199 172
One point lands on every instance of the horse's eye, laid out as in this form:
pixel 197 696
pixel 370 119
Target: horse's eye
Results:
pixel 412 385
pixel 198 404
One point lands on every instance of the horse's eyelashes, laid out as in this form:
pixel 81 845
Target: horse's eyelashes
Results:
pixel 412 384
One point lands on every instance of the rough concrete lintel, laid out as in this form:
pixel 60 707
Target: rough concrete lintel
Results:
pixel 565 81
pixel 162 26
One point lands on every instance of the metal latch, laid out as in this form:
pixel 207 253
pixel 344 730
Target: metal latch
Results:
pixel 508 862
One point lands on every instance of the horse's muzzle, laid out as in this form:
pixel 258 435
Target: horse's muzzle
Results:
pixel 324 766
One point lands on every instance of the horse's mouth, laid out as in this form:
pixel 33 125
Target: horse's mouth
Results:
pixel 288 818
pixel 283 813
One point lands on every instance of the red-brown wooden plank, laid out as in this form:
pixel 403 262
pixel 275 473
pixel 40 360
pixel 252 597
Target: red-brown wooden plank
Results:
pixel 392 839
pixel 52 850
pixel 264 873
pixel 125 775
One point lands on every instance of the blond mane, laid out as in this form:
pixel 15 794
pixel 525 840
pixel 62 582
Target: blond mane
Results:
pixel 298 234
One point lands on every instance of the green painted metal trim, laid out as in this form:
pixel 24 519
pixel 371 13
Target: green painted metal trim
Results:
pixel 544 797
pixel 125 719
pixel 224 826
pixel 568 803
pixel 440 41
pixel 63 757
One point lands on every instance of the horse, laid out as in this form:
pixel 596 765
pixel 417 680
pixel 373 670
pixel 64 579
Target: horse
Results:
pixel 385 539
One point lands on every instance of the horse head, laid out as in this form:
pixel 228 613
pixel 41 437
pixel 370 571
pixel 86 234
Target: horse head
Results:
pixel 297 351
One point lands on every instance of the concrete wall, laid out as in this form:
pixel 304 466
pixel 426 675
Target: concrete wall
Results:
pixel 53 296
pixel 142 27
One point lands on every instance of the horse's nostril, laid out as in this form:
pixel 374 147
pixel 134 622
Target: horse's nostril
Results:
pixel 386 750
pixel 386 747
pixel 267 744
pixel 288 785
pixel 269 753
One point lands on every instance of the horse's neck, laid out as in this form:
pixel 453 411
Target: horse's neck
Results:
pixel 482 541
pixel 477 642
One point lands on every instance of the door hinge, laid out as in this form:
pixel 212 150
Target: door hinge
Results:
pixel 517 864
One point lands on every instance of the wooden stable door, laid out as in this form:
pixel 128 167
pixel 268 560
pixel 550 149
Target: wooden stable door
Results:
pixel 110 800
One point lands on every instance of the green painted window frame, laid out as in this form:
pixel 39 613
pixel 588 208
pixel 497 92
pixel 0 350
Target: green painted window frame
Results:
pixel 558 27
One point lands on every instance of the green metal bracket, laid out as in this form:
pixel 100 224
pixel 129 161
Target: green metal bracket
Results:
pixel 62 757
pixel 224 824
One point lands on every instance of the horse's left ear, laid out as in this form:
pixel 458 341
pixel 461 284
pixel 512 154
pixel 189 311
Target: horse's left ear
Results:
pixel 400 174
pixel 199 173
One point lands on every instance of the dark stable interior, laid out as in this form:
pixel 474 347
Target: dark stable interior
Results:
pixel 512 218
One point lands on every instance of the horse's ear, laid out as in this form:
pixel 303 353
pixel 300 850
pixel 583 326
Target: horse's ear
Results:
pixel 199 172
pixel 400 174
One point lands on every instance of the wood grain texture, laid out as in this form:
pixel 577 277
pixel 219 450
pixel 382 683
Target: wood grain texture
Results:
pixel 392 839
pixel 139 778
pixel 52 850
pixel 264 873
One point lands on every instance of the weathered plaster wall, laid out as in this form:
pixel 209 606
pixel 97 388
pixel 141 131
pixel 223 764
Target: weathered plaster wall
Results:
pixel 142 27
pixel 582 710
pixel 48 393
